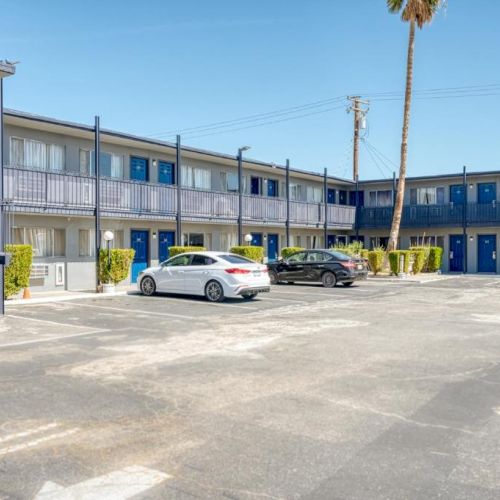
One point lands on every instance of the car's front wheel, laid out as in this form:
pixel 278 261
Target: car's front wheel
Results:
pixel 214 292
pixel 329 279
pixel 148 286
pixel 273 277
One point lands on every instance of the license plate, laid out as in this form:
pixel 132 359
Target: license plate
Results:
pixel 256 273
pixel 360 267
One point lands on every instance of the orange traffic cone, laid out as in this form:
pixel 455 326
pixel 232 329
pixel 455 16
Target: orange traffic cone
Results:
pixel 27 293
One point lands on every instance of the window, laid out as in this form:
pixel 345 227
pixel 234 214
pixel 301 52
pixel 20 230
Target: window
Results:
pixel 86 241
pixel 295 192
pixel 236 259
pixel 255 185
pixel 228 240
pixel 202 260
pixel 427 196
pixel 297 257
pixel 314 194
pixel 196 178
pixel 316 257
pixel 46 242
pixel 110 165
pixel 433 241
pixel 380 198
pixel 193 239
pixel 37 155
pixel 179 260
pixel 339 256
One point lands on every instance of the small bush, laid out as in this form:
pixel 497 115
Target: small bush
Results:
pixel 376 259
pixel 173 250
pixel 250 252
pixel 364 253
pixel 287 251
pixel 394 257
pixel 419 260
pixel 353 249
pixel 17 273
pixel 121 260
pixel 435 259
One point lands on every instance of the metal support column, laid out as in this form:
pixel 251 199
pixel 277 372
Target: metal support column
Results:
pixel 97 148
pixel 240 197
pixel 464 221
pixel 178 171
pixel 325 202
pixel 287 183
pixel 2 241
pixel 356 213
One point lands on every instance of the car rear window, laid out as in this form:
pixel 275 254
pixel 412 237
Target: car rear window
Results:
pixel 340 256
pixel 235 259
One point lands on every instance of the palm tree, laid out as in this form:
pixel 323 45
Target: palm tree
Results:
pixel 416 12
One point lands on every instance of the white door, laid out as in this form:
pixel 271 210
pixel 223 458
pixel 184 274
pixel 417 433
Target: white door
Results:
pixel 197 274
pixel 170 278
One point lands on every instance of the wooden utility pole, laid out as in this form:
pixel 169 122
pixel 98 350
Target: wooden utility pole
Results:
pixel 359 114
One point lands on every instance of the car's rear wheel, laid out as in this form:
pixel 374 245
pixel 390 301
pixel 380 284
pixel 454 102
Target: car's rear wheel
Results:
pixel 348 283
pixel 148 286
pixel 249 296
pixel 273 277
pixel 329 279
pixel 214 292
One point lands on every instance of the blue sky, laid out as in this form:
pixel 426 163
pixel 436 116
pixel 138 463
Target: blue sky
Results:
pixel 156 67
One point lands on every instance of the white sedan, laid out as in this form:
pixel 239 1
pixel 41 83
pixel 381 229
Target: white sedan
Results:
pixel 216 275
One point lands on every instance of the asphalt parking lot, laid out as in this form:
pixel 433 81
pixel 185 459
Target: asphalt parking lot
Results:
pixel 381 390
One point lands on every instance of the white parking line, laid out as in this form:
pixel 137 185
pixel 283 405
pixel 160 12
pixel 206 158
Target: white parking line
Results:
pixel 57 323
pixel 29 432
pixel 282 300
pixel 36 442
pixel 137 311
pixel 332 295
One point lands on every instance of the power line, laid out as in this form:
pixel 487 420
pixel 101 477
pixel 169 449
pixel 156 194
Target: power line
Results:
pixel 381 154
pixel 384 175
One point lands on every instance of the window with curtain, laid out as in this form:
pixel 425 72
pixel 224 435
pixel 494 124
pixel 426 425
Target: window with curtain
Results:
pixel 46 242
pixel 56 157
pixel 196 178
pixel 380 198
pixel 85 162
pixel 314 194
pixel 228 240
pixel 111 165
pixel 427 196
pixel 86 241
pixel 37 155
pixel 16 152
pixel 295 192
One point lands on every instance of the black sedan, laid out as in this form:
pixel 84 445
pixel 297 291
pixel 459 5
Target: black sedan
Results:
pixel 324 266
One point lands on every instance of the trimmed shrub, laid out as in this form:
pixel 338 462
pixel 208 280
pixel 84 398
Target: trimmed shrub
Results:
pixel 173 250
pixel 394 257
pixel 426 249
pixel 364 253
pixel 250 252
pixel 17 273
pixel 435 259
pixel 376 259
pixel 121 260
pixel 353 249
pixel 287 251
pixel 419 260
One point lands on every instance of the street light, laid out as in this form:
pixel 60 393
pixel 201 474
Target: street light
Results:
pixel 7 69
pixel 240 191
pixel 248 238
pixel 108 238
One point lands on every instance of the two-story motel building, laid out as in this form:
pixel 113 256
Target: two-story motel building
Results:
pixel 50 203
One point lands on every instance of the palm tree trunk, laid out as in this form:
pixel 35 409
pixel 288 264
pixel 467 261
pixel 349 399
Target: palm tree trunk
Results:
pixel 398 207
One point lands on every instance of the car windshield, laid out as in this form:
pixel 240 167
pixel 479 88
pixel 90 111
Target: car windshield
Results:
pixel 235 259
pixel 339 255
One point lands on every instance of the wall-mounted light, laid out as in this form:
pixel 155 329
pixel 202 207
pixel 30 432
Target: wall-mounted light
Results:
pixel 471 186
pixel 155 162
pixel 154 235
pixel 471 238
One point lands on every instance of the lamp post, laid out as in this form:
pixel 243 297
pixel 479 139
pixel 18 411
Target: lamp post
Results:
pixel 108 238
pixel 240 191
pixel 6 69
pixel 248 238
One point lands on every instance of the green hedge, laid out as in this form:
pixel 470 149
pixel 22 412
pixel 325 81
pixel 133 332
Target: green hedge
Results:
pixel 376 260
pixel 287 251
pixel 364 253
pixel 419 260
pixel 353 249
pixel 121 260
pixel 250 252
pixel 435 259
pixel 173 250
pixel 394 257
pixel 17 273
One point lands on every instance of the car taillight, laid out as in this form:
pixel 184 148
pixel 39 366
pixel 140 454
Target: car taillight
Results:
pixel 264 269
pixel 237 270
pixel 349 265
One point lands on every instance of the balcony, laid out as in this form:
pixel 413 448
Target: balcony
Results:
pixel 419 216
pixel 34 191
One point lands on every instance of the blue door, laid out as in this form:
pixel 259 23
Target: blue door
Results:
pixel 272 247
pixel 457 252
pixel 486 192
pixel 139 241
pixel 139 169
pixel 166 239
pixel 165 172
pixel 487 253
pixel 331 239
pixel 257 239
pixel 331 196
pixel 272 188
pixel 457 194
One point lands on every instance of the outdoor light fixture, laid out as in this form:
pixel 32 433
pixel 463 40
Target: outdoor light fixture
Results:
pixel 155 162
pixel 108 237
pixel 154 235
pixel 471 186
pixel 248 238
pixel 471 238
pixel 243 148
